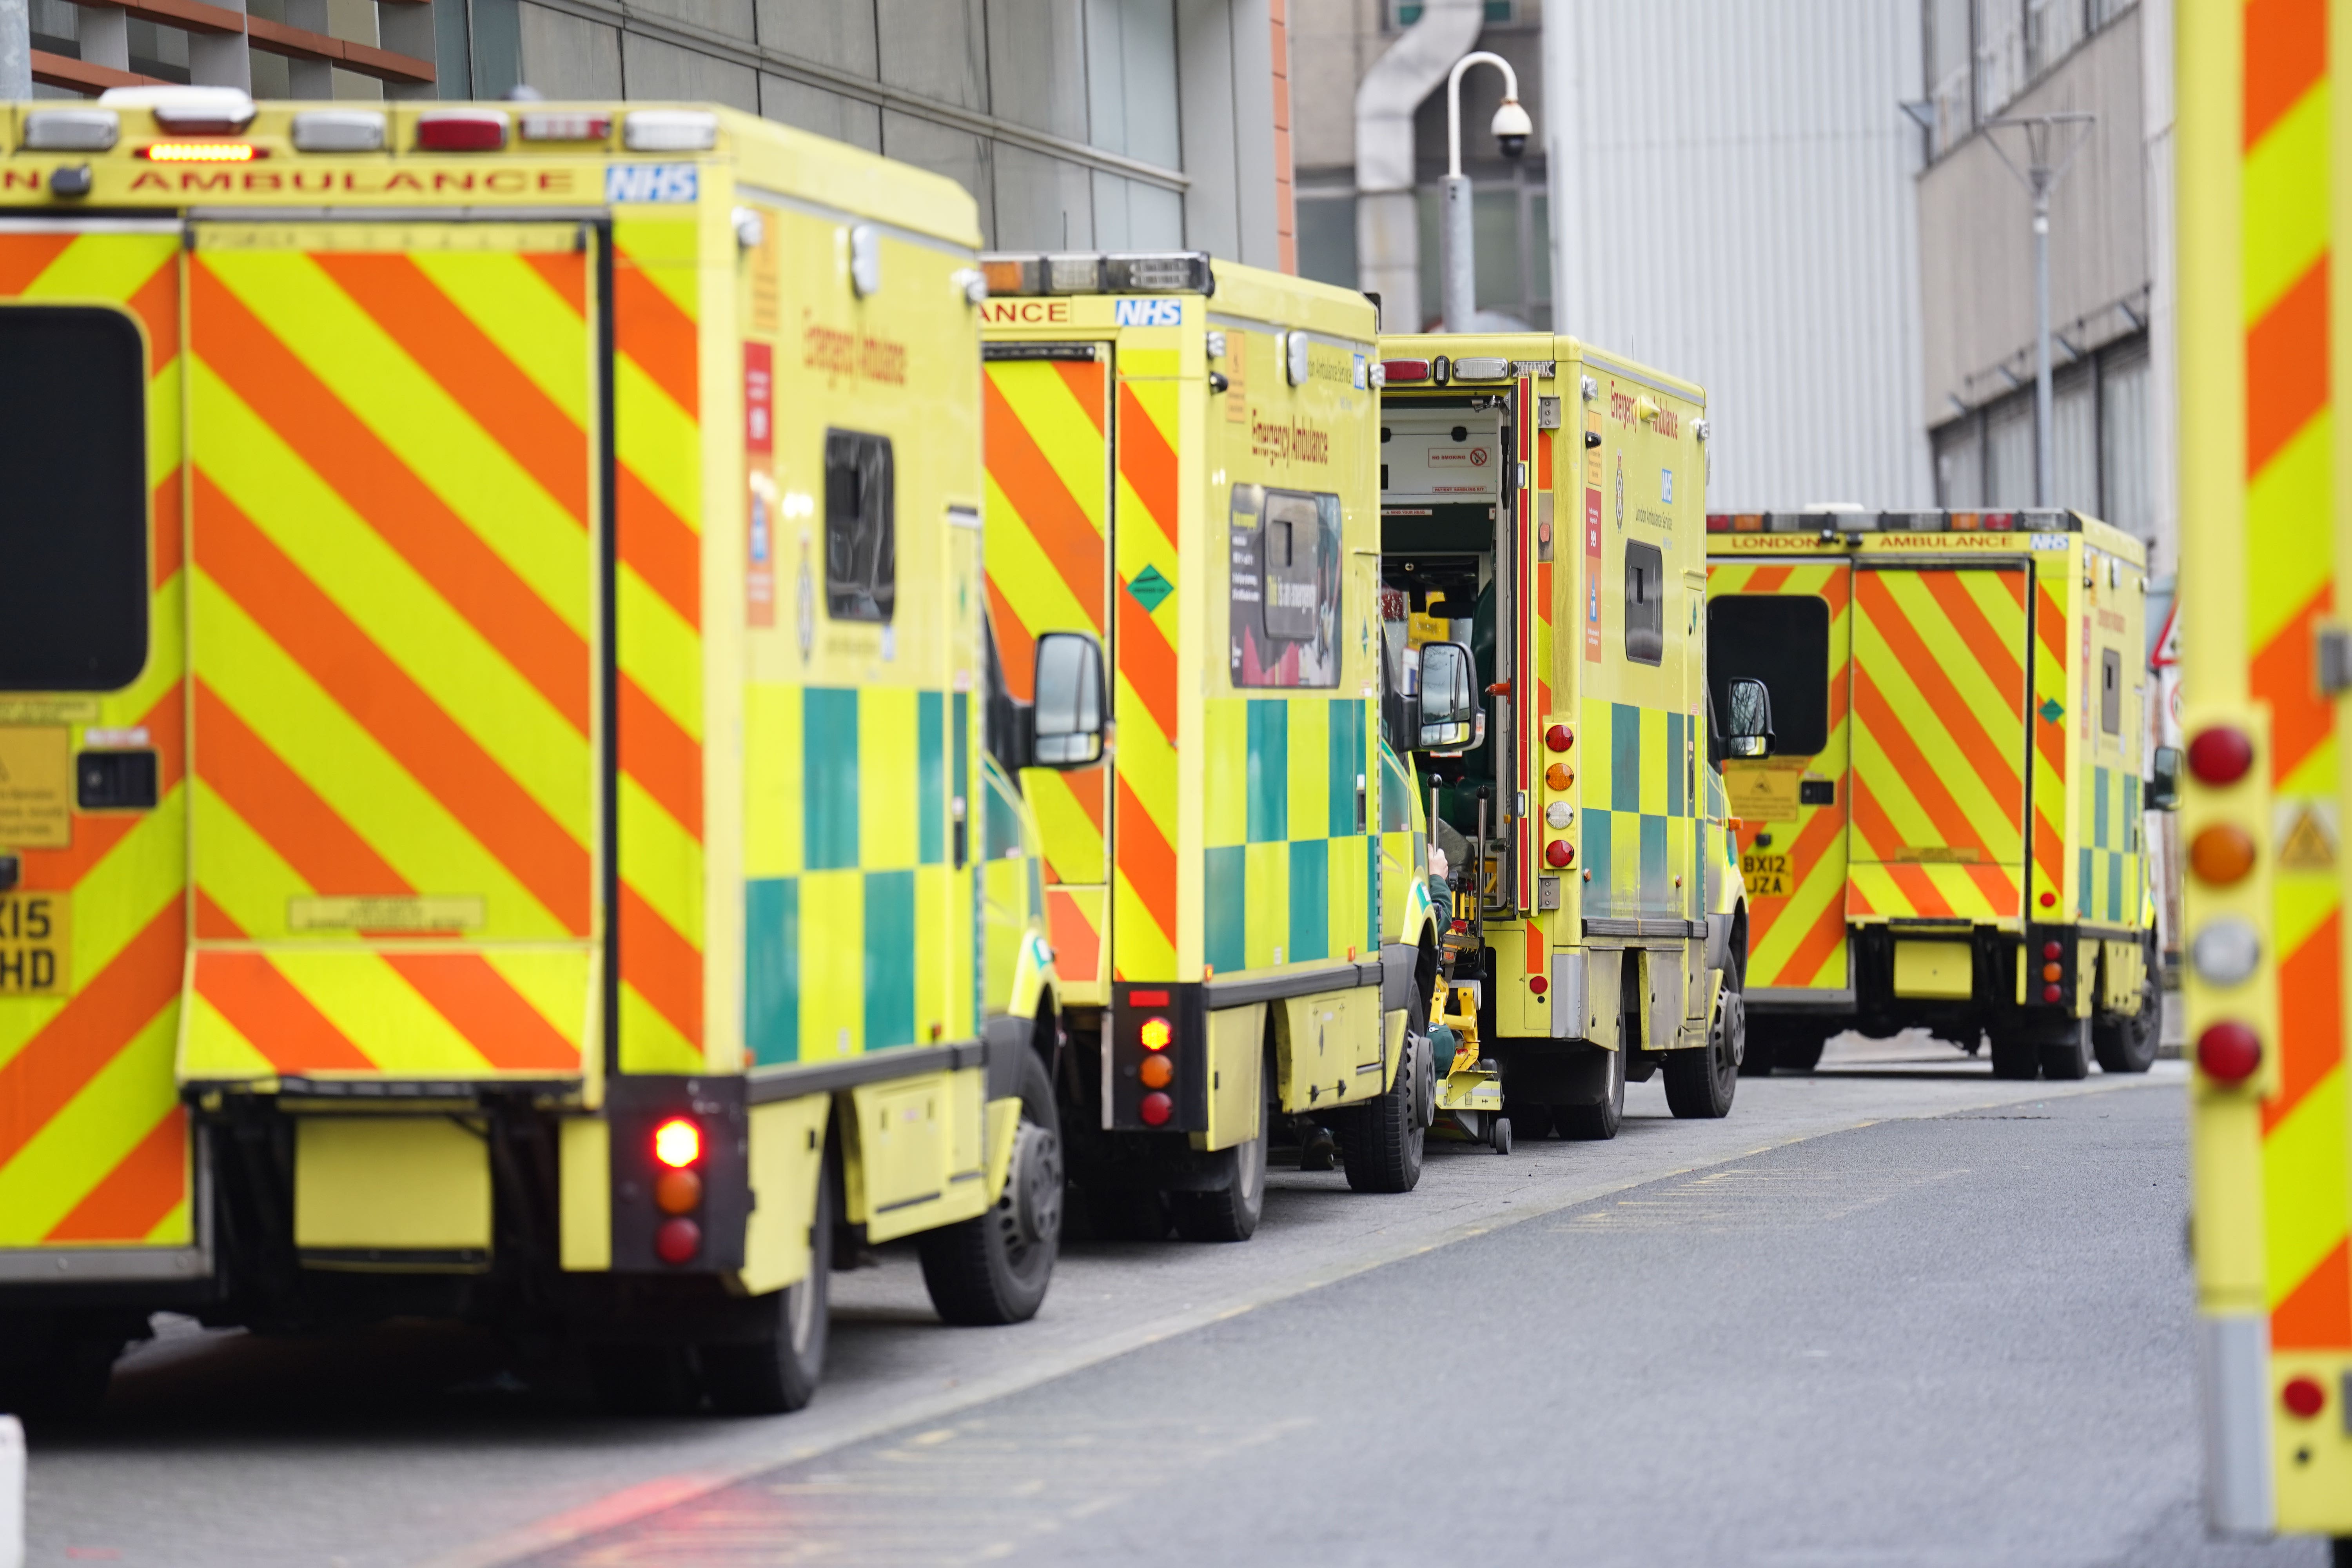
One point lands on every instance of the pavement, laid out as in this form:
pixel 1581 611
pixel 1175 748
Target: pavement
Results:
pixel 1893 1312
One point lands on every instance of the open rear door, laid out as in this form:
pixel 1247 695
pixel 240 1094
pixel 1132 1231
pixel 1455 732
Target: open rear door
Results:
pixel 394 626
pixel 1941 739
pixel 1049 466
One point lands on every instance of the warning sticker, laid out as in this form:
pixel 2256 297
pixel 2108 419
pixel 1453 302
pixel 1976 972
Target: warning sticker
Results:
pixel 2306 835
pixel 35 788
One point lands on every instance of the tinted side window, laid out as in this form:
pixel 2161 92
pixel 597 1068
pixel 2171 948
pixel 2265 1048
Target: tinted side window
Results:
pixel 73 529
pixel 861 536
pixel 1782 640
pixel 1645 604
pixel 1285 565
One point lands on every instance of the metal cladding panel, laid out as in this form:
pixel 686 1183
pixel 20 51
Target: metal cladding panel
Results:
pixel 93 1140
pixel 1783 274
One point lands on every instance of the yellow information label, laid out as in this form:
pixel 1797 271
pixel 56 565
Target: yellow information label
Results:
pixel 1763 792
pixel 1767 876
pixel 36 944
pixel 35 788
pixel 389 911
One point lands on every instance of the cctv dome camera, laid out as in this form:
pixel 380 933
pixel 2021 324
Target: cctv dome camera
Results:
pixel 1512 128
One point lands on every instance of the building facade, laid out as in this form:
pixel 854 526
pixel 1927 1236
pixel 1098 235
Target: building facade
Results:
pixel 1991 67
pixel 1736 190
pixel 1078 124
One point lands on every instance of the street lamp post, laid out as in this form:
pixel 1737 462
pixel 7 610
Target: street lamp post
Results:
pixel 1457 260
pixel 2041 176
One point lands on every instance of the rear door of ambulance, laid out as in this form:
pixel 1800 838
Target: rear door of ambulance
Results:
pixel 95 1169
pixel 395 732
pixel 1789 623
pixel 1941 739
pixel 1048 419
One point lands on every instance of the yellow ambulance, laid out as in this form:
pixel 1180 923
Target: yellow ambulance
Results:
pixel 1547 500
pixel 2265 540
pixel 1181 460
pixel 1950 832
pixel 509 807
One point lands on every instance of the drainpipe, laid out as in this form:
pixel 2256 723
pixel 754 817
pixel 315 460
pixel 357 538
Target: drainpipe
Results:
pixel 1388 219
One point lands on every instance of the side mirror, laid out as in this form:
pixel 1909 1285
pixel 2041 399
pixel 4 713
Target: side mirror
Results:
pixel 2163 792
pixel 1449 699
pixel 1748 732
pixel 1067 718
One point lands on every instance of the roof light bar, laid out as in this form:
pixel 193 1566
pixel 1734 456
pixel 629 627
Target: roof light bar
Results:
pixel 584 125
pixel 338 131
pixel 1092 272
pixel 1847 520
pixel 199 153
pixel 461 131
pixel 670 131
pixel 1482 368
pixel 1405 370
pixel 71 130
pixel 186 110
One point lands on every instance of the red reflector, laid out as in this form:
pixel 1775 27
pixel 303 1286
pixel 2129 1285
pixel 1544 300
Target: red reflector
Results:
pixel 461 131
pixel 2049 900
pixel 1405 369
pixel 1147 998
pixel 2052 950
pixel 1718 522
pixel 2051 994
pixel 1558 853
pixel 1156 1109
pixel 2221 755
pixel 1560 737
pixel 2228 1052
pixel 1539 985
pixel 2304 1398
pixel 677 1241
pixel 677 1142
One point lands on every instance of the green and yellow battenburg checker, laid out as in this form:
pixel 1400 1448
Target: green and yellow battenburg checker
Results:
pixel 513 807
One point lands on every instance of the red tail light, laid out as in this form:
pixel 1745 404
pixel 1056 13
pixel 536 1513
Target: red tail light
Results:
pixel 677 1241
pixel 1539 985
pixel 2221 755
pixel 2304 1398
pixel 677 1142
pixel 2052 950
pixel 1147 998
pixel 2052 993
pixel 1560 853
pixel 1405 369
pixel 1156 1109
pixel 2228 1052
pixel 1560 737
pixel 1156 1035
pixel 461 131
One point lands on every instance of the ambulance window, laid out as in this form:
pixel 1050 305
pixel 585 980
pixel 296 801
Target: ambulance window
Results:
pixel 861 542
pixel 2111 690
pixel 1284 564
pixel 73 437
pixel 1645 604
pixel 1782 640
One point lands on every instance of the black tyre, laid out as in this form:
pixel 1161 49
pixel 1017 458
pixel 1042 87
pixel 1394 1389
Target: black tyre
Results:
pixel 2128 1043
pixel 1529 1118
pixel 2066 1052
pixel 2014 1054
pixel 1232 1212
pixel 50 1373
pixel 1122 1206
pixel 1501 1137
pixel 779 1371
pixel 1763 1052
pixel 1700 1084
pixel 644 1379
pixel 1801 1051
pixel 1383 1149
pixel 1599 1121
pixel 995 1268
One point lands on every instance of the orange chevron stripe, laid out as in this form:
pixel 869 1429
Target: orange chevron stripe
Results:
pixel 2310 1044
pixel 1042 503
pixel 1816 836
pixel 649 328
pixel 1147 860
pixel 475 372
pixel 2004 782
pixel 90 1030
pixel 1986 645
pixel 169 543
pixel 562 275
pixel 1016 649
pixel 657 545
pixel 1148 661
pixel 389 497
pixel 2286 55
pixel 1819 945
pixel 1768 579
pixel 1920 889
pixel 273 1015
pixel 2050 626
pixel 157 305
pixel 381 698
pixel 1077 946
pixel 135 1198
pixel 2049 849
pixel 2317 1313
pixel 2287 366
pixel 661 965
pixel 1913 768
pixel 663 758
pixel 1147 462
pixel 2282 673
pixel 1086 385
pixel 512 1034
pixel 25 256
pixel 272 799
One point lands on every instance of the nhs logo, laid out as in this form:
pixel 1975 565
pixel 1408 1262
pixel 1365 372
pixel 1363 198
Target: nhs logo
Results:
pixel 1150 312
pixel 639 183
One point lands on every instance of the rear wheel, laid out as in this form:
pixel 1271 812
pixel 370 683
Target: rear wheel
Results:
pixel 644 1379
pixel 1384 1148
pixel 49 1373
pixel 1600 1120
pixel 1700 1084
pixel 1231 1213
pixel 2127 1042
pixel 2014 1053
pixel 780 1370
pixel 1801 1052
pixel 995 1268
pixel 2066 1052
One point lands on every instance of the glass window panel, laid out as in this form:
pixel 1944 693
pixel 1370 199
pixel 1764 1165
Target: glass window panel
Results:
pixel 2125 480
pixel 2009 453
pixel 1959 465
pixel 2075 416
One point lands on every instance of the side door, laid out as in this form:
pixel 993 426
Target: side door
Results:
pixel 95 1157
pixel 1789 624
pixel 1941 738
pixel 1049 424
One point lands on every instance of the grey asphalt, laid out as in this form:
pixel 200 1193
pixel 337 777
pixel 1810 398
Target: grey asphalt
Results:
pixel 1844 1326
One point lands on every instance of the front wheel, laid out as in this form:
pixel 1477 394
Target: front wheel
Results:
pixel 779 1370
pixel 994 1268
pixel 1383 1149
pixel 1700 1084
